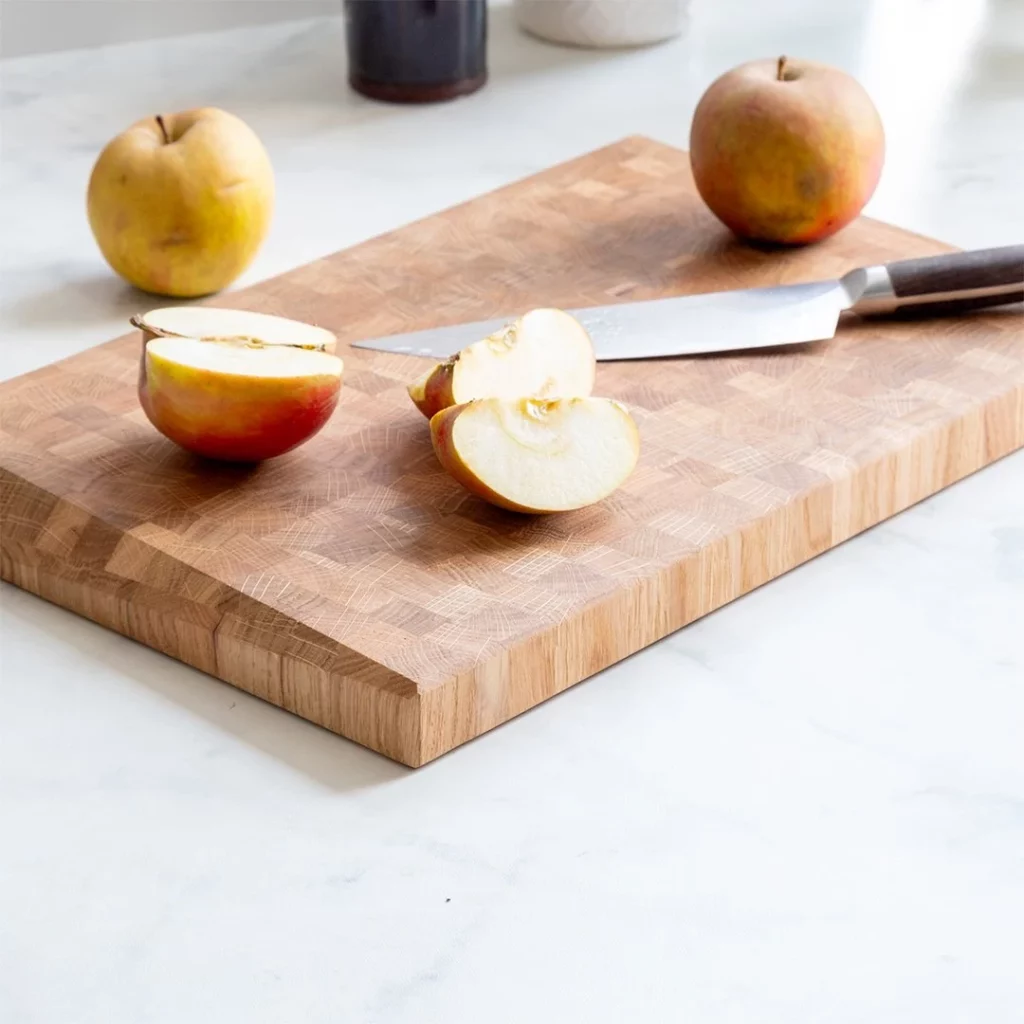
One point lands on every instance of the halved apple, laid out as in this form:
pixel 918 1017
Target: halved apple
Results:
pixel 211 323
pixel 546 353
pixel 535 454
pixel 265 391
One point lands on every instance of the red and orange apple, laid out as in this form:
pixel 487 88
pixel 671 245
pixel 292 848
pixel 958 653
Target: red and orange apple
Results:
pixel 236 386
pixel 786 151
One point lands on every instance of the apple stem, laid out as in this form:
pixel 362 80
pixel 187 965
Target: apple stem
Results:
pixel 163 128
pixel 782 69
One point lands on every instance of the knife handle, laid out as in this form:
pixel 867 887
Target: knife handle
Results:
pixel 955 282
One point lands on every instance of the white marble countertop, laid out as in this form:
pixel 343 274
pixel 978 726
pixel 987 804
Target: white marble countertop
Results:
pixel 808 806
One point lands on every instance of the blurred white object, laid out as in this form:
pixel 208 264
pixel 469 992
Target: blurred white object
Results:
pixel 599 23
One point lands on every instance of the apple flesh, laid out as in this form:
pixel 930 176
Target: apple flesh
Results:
pixel 179 204
pixel 238 400
pixel 786 151
pixel 209 323
pixel 537 455
pixel 546 353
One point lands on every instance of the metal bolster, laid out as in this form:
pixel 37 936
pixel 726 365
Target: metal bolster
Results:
pixel 871 290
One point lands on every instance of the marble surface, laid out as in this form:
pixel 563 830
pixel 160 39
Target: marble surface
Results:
pixel 808 806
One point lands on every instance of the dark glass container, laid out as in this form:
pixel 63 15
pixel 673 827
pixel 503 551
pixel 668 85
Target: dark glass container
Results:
pixel 416 51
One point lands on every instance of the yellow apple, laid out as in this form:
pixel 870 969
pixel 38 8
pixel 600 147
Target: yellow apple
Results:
pixel 786 151
pixel 179 204
pixel 546 353
pixel 537 455
pixel 246 387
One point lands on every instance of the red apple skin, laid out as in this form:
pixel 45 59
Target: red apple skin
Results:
pixel 432 395
pixel 790 159
pixel 234 419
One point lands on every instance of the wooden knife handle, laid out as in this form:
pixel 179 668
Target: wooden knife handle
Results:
pixel 959 281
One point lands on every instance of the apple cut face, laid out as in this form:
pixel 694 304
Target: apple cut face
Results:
pixel 537 455
pixel 546 353
pixel 210 323
pixel 237 402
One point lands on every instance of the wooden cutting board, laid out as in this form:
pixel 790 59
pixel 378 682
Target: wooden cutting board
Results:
pixel 354 584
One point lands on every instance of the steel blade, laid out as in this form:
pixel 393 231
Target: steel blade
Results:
pixel 678 326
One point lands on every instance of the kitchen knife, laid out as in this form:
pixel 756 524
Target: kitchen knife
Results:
pixel 763 317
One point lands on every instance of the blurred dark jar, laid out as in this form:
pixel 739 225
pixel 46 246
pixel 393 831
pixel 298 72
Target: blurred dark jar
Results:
pixel 416 51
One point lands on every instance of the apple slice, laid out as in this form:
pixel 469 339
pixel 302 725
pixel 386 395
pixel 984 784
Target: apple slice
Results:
pixel 546 353
pixel 234 401
pixel 210 323
pixel 537 454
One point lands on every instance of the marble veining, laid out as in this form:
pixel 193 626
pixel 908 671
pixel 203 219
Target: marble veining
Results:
pixel 808 806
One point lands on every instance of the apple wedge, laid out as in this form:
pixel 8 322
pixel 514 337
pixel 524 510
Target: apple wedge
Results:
pixel 235 401
pixel 546 353
pixel 537 455
pixel 210 323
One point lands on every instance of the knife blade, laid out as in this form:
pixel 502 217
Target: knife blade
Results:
pixel 761 317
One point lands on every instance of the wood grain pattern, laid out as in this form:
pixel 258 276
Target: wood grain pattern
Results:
pixel 354 584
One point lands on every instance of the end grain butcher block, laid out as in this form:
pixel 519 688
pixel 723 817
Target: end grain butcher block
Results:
pixel 355 584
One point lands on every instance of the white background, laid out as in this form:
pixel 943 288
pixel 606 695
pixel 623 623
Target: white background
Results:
pixel 807 807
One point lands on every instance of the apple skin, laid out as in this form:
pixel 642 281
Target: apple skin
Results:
pixel 180 204
pixel 441 426
pixel 233 418
pixel 788 159
pixel 432 393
